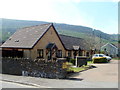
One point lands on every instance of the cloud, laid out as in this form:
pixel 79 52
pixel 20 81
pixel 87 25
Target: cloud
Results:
pixel 77 1
pixel 27 9
pixel 96 0
pixel 68 1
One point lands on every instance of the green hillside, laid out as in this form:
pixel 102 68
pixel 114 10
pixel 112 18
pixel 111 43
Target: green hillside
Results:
pixel 9 26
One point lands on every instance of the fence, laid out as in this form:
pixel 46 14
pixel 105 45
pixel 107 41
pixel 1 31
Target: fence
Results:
pixel 35 68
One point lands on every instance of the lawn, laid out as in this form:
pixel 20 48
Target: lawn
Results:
pixel 72 68
pixel 79 69
pixel 89 62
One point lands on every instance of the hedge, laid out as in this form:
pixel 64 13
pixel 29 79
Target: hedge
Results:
pixel 100 60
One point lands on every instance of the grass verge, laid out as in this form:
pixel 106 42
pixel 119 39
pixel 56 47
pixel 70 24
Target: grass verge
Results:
pixel 79 69
pixel 89 62
pixel 116 58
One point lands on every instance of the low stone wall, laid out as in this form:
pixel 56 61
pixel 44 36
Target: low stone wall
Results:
pixel 35 68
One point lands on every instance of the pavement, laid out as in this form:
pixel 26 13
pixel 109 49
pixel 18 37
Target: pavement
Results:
pixel 103 76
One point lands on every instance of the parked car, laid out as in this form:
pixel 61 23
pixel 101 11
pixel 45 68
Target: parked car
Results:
pixel 101 55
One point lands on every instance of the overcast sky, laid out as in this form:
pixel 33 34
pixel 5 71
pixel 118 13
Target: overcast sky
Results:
pixel 97 14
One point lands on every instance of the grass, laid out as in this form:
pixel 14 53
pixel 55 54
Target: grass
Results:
pixel 75 69
pixel 89 62
pixel 116 58
pixel 78 69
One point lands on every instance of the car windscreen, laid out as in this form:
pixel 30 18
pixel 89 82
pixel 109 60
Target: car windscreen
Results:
pixel 96 55
pixel 100 55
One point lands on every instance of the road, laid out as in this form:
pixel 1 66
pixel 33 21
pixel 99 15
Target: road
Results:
pixel 14 85
pixel 107 72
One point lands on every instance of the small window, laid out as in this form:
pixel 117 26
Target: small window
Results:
pixel 59 54
pixel 69 53
pixel 40 53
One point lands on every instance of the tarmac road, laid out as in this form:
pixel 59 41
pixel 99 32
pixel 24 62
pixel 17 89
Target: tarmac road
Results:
pixel 14 85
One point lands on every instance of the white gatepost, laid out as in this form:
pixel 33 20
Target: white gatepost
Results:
pixel 76 48
pixel 76 61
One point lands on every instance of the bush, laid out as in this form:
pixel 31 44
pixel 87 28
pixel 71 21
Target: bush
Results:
pixel 72 61
pixel 100 60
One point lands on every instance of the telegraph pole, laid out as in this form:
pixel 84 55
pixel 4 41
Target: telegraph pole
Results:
pixel 100 43
pixel 93 30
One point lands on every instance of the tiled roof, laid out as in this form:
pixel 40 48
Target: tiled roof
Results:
pixel 26 37
pixel 70 41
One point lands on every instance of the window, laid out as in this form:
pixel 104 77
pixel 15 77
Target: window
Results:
pixel 87 54
pixel 80 52
pixel 69 53
pixel 59 54
pixel 40 53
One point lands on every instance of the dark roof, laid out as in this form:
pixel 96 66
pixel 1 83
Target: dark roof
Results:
pixel 51 46
pixel 26 37
pixel 70 41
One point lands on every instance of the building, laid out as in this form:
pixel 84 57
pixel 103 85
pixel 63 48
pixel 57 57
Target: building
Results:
pixel 42 41
pixel 110 49
pixel 75 46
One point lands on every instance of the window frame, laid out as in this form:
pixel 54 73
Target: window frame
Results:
pixel 59 54
pixel 40 53
pixel 69 53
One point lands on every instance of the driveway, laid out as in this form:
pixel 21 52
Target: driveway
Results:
pixel 107 72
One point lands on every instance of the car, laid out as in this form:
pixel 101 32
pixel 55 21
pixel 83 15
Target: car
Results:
pixel 101 55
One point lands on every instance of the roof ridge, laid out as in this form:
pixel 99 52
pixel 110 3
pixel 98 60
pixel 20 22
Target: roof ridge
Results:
pixel 36 25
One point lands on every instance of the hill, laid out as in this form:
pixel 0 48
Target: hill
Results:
pixel 9 26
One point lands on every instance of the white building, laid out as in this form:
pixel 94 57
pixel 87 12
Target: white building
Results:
pixel 110 49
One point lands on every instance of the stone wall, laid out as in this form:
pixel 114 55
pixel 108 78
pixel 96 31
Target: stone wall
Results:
pixel 35 68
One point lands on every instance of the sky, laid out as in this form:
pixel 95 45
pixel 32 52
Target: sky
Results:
pixel 97 14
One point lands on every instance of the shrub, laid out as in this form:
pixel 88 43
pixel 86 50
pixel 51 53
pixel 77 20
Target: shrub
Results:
pixel 72 61
pixel 100 60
